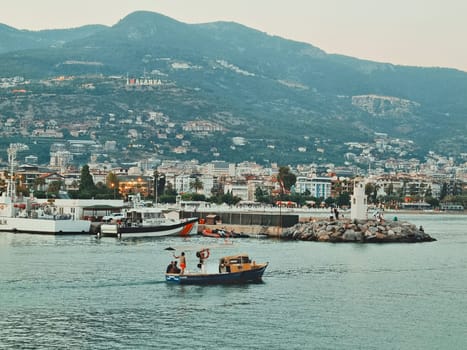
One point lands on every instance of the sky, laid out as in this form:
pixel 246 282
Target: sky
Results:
pixel 428 33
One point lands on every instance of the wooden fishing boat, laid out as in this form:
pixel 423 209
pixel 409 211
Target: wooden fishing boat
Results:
pixel 234 269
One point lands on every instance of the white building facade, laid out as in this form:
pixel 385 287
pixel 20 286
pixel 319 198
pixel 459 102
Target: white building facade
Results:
pixel 318 187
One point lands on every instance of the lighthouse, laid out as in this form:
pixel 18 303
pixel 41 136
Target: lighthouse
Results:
pixel 358 209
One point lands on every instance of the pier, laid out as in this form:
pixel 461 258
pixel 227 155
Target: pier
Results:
pixel 312 225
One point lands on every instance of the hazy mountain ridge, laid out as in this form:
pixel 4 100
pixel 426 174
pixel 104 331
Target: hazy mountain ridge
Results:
pixel 294 88
pixel 16 40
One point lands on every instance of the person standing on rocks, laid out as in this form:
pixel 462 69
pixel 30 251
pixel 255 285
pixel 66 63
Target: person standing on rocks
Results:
pixel 336 213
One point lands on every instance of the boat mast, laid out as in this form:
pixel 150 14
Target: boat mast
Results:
pixel 11 183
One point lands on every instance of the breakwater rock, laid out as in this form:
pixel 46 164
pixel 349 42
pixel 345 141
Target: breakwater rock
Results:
pixel 363 231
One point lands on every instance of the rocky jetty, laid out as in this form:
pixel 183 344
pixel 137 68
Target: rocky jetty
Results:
pixel 363 231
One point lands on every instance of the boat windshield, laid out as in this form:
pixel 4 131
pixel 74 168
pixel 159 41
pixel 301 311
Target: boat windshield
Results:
pixel 236 260
pixel 152 215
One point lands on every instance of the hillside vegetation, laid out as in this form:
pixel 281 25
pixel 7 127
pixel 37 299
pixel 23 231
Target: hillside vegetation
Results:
pixel 279 95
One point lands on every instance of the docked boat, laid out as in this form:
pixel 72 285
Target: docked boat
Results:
pixel 234 269
pixel 221 233
pixel 215 233
pixel 31 216
pixel 141 221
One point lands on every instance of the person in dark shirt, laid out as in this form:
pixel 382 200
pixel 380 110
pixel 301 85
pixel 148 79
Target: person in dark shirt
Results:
pixel 175 268
pixel 170 268
pixel 336 213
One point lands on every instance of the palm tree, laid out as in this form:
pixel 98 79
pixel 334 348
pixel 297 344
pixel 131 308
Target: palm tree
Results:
pixel 197 185
pixel 286 178
pixel 113 184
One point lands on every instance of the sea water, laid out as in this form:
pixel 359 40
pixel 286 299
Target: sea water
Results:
pixel 79 292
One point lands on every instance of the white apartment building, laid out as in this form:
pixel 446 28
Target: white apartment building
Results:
pixel 319 187
pixel 220 168
pixel 237 190
pixel 60 159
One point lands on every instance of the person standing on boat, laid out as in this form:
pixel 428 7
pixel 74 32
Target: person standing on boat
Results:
pixel 182 262
pixel 203 254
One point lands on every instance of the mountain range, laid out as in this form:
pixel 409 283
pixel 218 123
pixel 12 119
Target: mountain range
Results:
pixel 279 95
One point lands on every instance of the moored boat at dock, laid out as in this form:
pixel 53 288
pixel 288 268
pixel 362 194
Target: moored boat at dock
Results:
pixel 222 233
pixel 141 221
pixel 215 233
pixel 31 215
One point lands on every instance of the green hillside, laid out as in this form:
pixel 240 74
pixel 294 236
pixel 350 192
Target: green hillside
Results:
pixel 280 95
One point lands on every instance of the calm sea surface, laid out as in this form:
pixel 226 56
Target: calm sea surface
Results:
pixel 82 293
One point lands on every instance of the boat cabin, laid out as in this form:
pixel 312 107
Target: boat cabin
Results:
pixel 236 263
pixel 144 217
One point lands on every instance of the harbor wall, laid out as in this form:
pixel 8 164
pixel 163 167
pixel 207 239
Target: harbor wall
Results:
pixel 243 219
pixel 363 231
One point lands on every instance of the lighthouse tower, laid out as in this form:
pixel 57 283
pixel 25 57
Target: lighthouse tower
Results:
pixel 358 209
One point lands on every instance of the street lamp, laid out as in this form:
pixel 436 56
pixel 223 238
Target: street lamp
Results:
pixel 156 182
pixel 113 187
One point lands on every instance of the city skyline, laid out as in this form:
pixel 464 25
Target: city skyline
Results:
pixel 418 33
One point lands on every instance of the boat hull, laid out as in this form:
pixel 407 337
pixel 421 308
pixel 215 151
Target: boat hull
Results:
pixel 242 277
pixel 184 228
pixel 45 226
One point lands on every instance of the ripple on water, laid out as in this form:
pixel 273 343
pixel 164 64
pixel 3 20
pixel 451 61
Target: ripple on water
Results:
pixel 107 294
